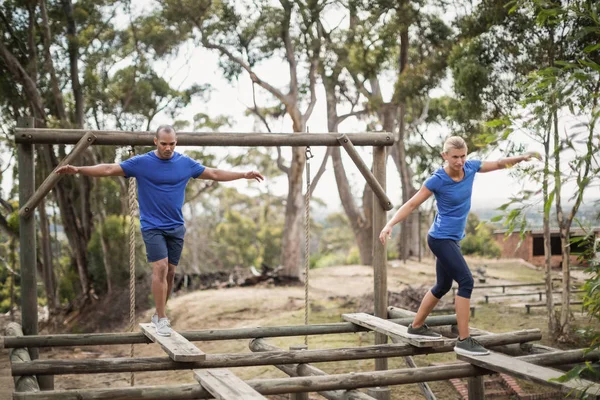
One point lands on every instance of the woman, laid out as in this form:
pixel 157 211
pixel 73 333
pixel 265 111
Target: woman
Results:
pixel 452 186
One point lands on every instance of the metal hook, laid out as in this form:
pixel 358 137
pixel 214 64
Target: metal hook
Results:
pixel 309 153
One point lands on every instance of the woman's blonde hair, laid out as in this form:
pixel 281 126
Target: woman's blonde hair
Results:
pixel 454 142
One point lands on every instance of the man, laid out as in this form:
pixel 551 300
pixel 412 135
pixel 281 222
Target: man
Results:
pixel 162 176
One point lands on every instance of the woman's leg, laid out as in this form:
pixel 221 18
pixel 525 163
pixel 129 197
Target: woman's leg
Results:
pixel 432 297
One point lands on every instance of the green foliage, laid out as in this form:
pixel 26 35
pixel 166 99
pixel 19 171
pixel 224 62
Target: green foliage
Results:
pixel 115 231
pixel 479 239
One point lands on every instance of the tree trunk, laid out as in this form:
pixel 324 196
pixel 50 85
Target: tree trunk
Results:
pixel 361 228
pixel 48 266
pixel 49 65
pixel 361 225
pixel 292 237
pixel 73 60
pixel 547 242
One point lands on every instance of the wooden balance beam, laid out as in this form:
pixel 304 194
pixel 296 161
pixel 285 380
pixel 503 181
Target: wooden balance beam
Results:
pixel 176 346
pixel 513 366
pixel 225 385
pixel 390 329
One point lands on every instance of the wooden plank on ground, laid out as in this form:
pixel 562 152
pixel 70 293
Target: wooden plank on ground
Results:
pixel 502 363
pixel 394 331
pixel 225 385
pixel 176 346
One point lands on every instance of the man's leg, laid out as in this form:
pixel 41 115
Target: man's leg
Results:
pixel 170 280
pixel 160 286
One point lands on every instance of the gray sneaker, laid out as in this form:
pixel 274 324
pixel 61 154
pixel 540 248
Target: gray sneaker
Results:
pixel 154 320
pixel 163 327
pixel 422 332
pixel 470 347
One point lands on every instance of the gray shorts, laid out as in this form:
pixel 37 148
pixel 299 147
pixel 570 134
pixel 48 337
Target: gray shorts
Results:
pixel 164 243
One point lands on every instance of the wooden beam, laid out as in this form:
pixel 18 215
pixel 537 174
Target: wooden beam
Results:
pixel 53 178
pixel 380 286
pixel 294 385
pixel 374 183
pixel 224 385
pixel 510 365
pixel 123 138
pixel 27 241
pixel 395 331
pixel 261 345
pixel 93 339
pixel 176 346
pixel 476 387
pixel 106 365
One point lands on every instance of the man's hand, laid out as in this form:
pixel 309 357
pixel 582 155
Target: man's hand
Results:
pixel 67 170
pixel 254 175
pixel 386 233
pixel 532 154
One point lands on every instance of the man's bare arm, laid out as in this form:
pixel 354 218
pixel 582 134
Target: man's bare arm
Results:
pixel 92 170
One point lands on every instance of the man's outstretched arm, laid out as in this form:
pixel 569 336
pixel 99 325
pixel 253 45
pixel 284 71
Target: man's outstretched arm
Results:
pixel 225 176
pixel 92 170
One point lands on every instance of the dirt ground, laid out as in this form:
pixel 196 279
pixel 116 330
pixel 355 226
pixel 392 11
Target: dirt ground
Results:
pixel 333 290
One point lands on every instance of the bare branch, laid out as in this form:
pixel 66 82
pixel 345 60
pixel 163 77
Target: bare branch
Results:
pixel 280 163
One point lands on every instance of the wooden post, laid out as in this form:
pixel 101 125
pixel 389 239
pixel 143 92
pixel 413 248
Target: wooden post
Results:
pixel 377 188
pixel 29 207
pixel 379 253
pixel 298 396
pixel 27 245
pixel 27 249
pixel 476 387
pixel 379 393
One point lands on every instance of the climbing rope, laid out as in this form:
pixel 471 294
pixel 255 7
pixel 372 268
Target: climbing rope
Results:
pixel 132 205
pixel 309 155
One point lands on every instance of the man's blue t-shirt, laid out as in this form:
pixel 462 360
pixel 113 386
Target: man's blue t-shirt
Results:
pixel 453 201
pixel 161 187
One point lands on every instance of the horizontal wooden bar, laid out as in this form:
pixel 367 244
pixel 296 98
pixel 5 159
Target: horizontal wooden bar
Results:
pixel 46 186
pixel 261 345
pixel 111 365
pixel 123 138
pixel 94 339
pixel 303 384
pixel 376 187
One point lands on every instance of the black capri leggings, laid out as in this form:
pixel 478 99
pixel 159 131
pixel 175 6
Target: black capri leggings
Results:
pixel 450 265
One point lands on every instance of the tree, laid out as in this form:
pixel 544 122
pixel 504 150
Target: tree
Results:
pixel 246 35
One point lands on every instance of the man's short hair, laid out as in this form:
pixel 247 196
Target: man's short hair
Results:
pixel 166 129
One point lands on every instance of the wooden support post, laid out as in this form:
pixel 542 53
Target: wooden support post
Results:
pixel 27 249
pixel 376 186
pixel 476 388
pixel 298 396
pixel 380 393
pixel 379 253
pixel 27 245
pixel 29 207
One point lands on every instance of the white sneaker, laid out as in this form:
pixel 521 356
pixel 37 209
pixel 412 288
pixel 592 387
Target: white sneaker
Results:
pixel 154 320
pixel 163 327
